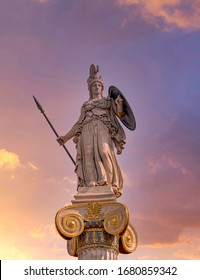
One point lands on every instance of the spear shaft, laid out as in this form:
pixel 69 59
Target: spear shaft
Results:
pixel 50 124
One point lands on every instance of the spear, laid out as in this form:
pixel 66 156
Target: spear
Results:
pixel 42 111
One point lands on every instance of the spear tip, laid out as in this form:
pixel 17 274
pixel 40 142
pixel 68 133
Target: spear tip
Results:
pixel 38 105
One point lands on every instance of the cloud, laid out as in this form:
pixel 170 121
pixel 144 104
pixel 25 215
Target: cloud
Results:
pixel 69 180
pixel 173 163
pixel 9 160
pixel 44 231
pixel 33 166
pixel 48 243
pixel 184 14
pixel 154 166
pixel 185 248
pixel 166 161
pixel 26 243
pixel 13 253
pixel 66 183
pixel 37 233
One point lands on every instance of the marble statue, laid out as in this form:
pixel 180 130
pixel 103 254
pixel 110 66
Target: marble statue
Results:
pixel 97 134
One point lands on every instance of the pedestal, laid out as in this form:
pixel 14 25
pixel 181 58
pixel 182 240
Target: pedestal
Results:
pixel 96 226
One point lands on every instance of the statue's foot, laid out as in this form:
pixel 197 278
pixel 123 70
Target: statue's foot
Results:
pixel 92 184
pixel 116 192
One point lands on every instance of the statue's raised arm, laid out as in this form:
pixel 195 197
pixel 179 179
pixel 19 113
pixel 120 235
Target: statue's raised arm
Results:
pixel 98 133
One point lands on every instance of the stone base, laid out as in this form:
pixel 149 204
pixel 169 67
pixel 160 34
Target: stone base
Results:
pixel 97 193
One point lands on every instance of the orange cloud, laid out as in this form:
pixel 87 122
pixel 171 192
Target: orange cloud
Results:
pixel 9 160
pixel 43 231
pixel 33 166
pixel 183 14
pixel 37 233
pixel 13 253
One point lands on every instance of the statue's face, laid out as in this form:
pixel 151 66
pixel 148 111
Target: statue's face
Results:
pixel 96 89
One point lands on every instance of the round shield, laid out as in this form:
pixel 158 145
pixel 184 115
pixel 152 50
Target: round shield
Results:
pixel 128 120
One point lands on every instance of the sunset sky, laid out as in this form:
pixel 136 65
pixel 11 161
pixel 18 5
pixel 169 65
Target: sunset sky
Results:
pixel 150 50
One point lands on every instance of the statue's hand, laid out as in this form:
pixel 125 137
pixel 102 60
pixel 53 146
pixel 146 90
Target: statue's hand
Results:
pixel 61 140
pixel 120 110
pixel 119 100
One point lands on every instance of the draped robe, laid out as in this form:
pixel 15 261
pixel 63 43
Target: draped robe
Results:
pixel 97 133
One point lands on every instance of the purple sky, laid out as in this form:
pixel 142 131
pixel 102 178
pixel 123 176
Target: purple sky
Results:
pixel 150 50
